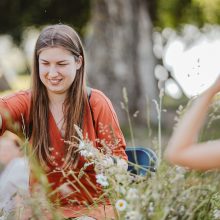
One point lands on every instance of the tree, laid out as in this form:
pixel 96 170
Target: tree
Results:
pixel 120 45
pixel 120 53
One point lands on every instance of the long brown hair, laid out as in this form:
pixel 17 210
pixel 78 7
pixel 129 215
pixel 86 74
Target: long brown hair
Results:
pixel 56 36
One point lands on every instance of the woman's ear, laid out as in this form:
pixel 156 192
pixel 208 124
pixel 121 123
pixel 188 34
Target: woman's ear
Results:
pixel 79 62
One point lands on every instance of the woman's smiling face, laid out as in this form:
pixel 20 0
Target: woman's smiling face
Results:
pixel 57 69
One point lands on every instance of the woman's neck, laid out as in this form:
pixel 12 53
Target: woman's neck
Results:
pixel 56 99
pixel 57 110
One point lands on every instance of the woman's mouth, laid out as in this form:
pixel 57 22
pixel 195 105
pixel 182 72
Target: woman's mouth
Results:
pixel 55 81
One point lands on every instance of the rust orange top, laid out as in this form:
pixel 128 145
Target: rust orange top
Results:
pixel 85 188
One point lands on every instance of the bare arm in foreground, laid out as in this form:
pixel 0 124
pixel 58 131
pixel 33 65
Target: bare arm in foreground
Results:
pixel 183 149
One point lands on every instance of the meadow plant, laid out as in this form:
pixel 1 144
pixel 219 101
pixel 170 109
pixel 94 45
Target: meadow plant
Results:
pixel 170 193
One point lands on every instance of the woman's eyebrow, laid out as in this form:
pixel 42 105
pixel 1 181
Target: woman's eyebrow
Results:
pixel 43 60
pixel 62 61
pixel 59 61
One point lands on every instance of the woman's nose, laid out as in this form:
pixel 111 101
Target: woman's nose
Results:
pixel 53 71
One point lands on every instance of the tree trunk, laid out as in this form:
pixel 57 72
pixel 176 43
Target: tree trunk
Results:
pixel 119 50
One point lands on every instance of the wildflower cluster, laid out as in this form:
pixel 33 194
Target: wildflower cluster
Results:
pixel 169 193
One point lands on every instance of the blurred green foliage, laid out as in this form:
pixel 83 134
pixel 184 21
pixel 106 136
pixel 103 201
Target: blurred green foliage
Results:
pixel 16 15
pixel 173 104
pixel 175 13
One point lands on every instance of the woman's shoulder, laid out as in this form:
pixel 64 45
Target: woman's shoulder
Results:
pixel 99 99
pixel 100 102
pixel 98 95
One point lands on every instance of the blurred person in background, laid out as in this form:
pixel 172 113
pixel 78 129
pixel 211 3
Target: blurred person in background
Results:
pixel 14 178
pixel 183 148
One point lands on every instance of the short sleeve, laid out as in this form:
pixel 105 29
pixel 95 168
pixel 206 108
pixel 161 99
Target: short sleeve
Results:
pixel 14 110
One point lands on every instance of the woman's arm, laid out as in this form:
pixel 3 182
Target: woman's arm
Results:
pixel 182 148
pixel 14 109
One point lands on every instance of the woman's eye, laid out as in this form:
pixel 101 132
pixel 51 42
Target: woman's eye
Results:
pixel 62 64
pixel 45 64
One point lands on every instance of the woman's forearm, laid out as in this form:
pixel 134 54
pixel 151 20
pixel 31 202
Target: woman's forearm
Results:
pixel 187 130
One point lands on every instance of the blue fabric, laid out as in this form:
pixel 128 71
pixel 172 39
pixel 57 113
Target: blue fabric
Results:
pixel 143 157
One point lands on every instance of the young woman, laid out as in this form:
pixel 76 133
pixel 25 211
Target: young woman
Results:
pixel 183 148
pixel 57 101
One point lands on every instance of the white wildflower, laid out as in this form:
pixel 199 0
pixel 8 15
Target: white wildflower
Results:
pixel 216 214
pixel 133 215
pixel 102 180
pixel 86 154
pixel 113 171
pixel 85 151
pixel 121 205
pixel 107 162
pixel 88 164
pixel 82 145
pixel 122 163
pixel 132 194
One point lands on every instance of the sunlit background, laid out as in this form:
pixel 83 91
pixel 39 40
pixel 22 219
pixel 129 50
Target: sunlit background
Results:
pixel 126 43
pixel 194 65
